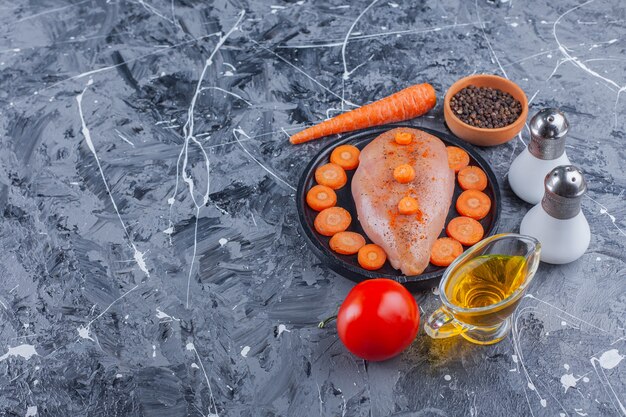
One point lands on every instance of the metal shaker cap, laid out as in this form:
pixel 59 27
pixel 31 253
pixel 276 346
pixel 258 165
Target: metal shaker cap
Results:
pixel 565 187
pixel 547 130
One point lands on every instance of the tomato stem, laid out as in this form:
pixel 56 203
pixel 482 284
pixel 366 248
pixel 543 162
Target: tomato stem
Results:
pixel 324 322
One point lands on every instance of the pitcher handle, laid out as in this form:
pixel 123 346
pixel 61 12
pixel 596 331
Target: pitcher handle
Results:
pixel 441 324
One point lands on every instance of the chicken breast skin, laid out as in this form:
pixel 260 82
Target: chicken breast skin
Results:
pixel 407 239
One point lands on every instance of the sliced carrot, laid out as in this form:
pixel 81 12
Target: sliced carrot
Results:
pixel 346 156
pixel 457 158
pixel 466 230
pixel 331 175
pixel 372 257
pixel 404 105
pixel 346 243
pixel 332 220
pixel 408 205
pixel 472 178
pixel 444 251
pixel 403 138
pixel 404 173
pixel 474 204
pixel 321 197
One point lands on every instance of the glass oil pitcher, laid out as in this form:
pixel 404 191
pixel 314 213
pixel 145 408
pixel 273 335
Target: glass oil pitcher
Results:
pixel 481 289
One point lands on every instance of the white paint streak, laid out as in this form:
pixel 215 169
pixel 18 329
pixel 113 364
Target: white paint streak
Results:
pixel 482 28
pixel 569 58
pixel 154 11
pixel 302 72
pixel 282 328
pixel 606 384
pixel 580 64
pixel 319 395
pixel 228 92
pixel 138 255
pixel 49 11
pixel 565 312
pixel 23 351
pixel 124 138
pixel 396 33
pixel 604 211
pixel 110 67
pixel 516 333
pixel 346 73
pixel 241 131
pixel 161 315
pixel 84 331
pixel 188 131
pixel 245 351
pixel 568 381
pixel 610 359
pixel 192 347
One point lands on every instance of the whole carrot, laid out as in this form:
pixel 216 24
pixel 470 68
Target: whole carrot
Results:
pixel 403 105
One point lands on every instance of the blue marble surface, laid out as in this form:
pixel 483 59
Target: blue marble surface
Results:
pixel 151 262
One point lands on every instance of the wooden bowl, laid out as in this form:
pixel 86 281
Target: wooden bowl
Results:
pixel 478 135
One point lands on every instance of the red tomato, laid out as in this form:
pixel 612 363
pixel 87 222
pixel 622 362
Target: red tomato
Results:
pixel 378 319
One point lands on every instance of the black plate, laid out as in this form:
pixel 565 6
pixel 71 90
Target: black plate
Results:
pixel 347 265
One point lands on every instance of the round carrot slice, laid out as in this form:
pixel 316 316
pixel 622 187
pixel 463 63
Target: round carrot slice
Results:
pixel 403 138
pixel 444 251
pixel 371 257
pixel 466 230
pixel 332 220
pixel 408 205
pixel 321 197
pixel 346 156
pixel 331 175
pixel 404 173
pixel 346 243
pixel 474 204
pixel 472 178
pixel 457 158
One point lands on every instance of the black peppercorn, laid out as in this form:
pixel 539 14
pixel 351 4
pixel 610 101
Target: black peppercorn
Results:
pixel 485 107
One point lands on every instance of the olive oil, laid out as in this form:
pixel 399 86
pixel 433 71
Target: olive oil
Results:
pixel 481 290
pixel 486 280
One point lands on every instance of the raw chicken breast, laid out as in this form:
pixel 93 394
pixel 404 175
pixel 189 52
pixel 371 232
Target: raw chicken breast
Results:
pixel 407 239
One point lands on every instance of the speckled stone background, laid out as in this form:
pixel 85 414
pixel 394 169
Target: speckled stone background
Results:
pixel 151 263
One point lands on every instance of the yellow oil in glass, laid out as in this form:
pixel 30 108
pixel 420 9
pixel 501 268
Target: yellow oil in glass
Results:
pixel 486 280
